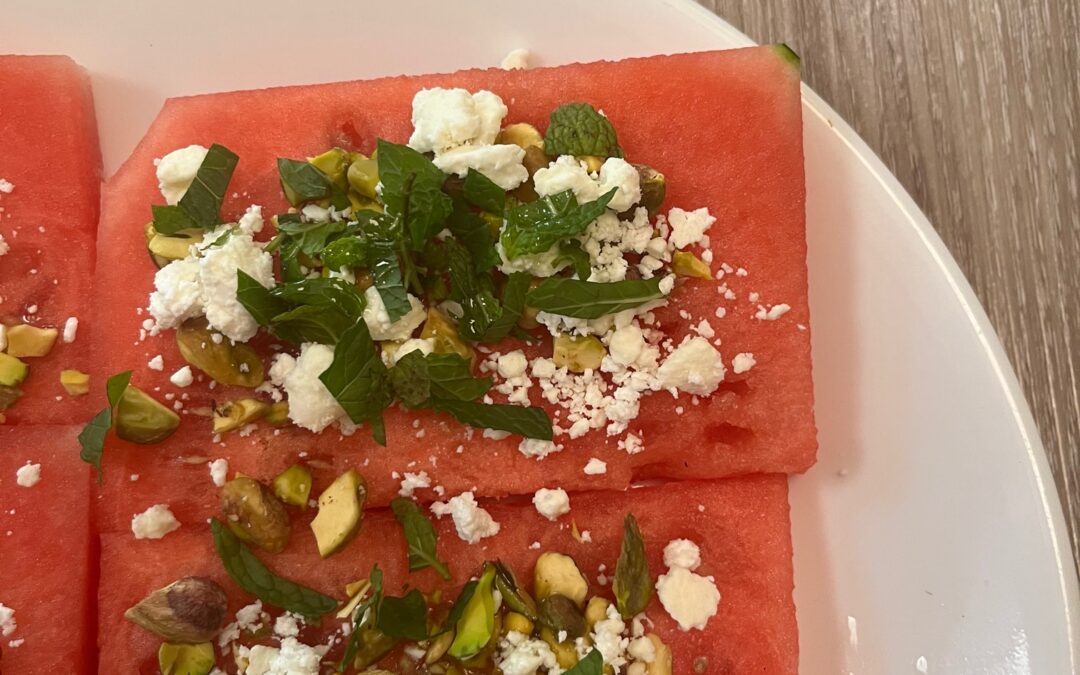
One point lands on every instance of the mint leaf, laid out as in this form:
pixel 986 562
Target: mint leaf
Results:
pixel 513 304
pixel 115 387
pixel 310 238
pixel 571 251
pixel 255 578
pixel 412 191
pixel 259 302
pixel 483 193
pixel 310 324
pixel 347 252
pixel 92 440
pixel 531 422
pixel 592 664
pixel 171 219
pixel 592 300
pixel 474 233
pixel 405 617
pixel 420 537
pixel 416 378
pixel 632 585
pixel 386 274
pixel 329 293
pixel 578 129
pixel 318 310
pixel 200 207
pixel 537 226
pixel 302 181
pixel 357 379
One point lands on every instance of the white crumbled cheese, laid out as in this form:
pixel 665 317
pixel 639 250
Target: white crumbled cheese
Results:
pixel 632 444
pixel 423 345
pixel 311 405
pixel 595 467
pixel 513 364
pixel 606 240
pixel 4 246
pixel 444 119
pixel 495 434
pixel 772 313
pixel 689 598
pixel 642 649
pixel 3 337
pixel 546 264
pixel 7 186
pixel 412 482
pixel 28 475
pixel 567 173
pixel 538 448
pixel 217 276
pixel 154 523
pixel 694 367
pixel 292 658
pixel 688 227
pixel 551 503
pixel 183 377
pixel 472 522
pixel 176 171
pixel 619 174
pixel 71 329
pixel 704 329
pixel 286 625
pixel 178 295
pixel 378 319
pixel 516 59
pixel 742 362
pixel 156 363
pixel 520 654
pixel 626 344
pixel 7 620
pixel 682 553
pixel 219 471
pixel 607 637
pixel 500 163
pixel 667 284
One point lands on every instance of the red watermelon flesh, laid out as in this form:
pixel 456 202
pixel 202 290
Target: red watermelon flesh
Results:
pixel 49 219
pixel 47 562
pixel 725 128
pixel 741 525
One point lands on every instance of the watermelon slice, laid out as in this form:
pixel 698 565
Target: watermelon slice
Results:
pixel 741 525
pixel 48 563
pixel 724 127
pixel 48 221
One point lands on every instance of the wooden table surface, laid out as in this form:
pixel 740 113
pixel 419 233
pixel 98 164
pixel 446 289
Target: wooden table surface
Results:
pixel 975 106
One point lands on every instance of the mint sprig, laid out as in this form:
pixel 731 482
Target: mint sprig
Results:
pixel 420 537
pixel 537 226
pixel 412 191
pixel 592 300
pixel 92 437
pixel 578 129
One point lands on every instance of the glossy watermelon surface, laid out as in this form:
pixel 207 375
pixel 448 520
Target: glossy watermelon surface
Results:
pixel 741 525
pixel 724 127
pixel 48 220
pixel 48 558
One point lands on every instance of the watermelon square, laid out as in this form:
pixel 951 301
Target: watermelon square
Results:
pixel 51 170
pixel 49 563
pixel 740 524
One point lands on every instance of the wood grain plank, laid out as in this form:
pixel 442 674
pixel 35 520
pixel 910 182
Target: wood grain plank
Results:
pixel 974 105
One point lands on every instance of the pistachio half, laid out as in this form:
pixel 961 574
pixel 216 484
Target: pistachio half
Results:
pixel 189 611
pixel 223 361
pixel 254 514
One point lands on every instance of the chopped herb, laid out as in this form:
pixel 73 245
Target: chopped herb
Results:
pixel 345 253
pixel 632 584
pixel 372 603
pixel 537 226
pixel 420 536
pixel 592 300
pixel 474 233
pixel 592 664
pixel 405 617
pixel 200 207
pixel 386 274
pixel 513 305
pixel 254 577
pixel 302 181
pixel 412 191
pixel 310 323
pixel 531 422
pixel 259 302
pixel 357 379
pixel 571 251
pixel 115 387
pixel 310 238
pixel 484 193
pixel 418 378
pixel 92 437
pixel 578 129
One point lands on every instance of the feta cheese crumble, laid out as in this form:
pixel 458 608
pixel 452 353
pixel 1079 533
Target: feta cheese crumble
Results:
pixel 516 59
pixel 412 482
pixel 595 467
pixel 689 598
pixel 156 363
pixel 688 227
pixel 694 367
pixel 520 654
pixel 472 522
pixel 292 658
pixel 551 503
pixel 311 405
pixel 176 171
pixel 535 447
pixel 682 553
pixel 7 620
pixel 154 523
pixel 28 475
pixel 378 319
pixel 219 471
pixel 7 186
pixel 183 377
pixel 742 362
pixel 71 329
pixel 4 247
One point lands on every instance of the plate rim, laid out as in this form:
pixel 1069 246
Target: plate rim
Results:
pixel 992 348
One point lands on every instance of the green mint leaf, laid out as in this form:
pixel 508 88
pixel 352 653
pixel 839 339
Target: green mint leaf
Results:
pixel 592 664
pixel 310 238
pixel 409 380
pixel 484 193
pixel 474 233
pixel 513 304
pixel 386 275
pixel 632 584
pixel 255 578
pixel 405 617
pixel 571 251
pixel 578 129
pixel 329 293
pixel 480 311
pixel 412 191
pixel 302 181
pixel 291 269
pixel 318 310
pixel 592 300
pixel 203 200
pixel 537 226
pixel 310 324
pixel 420 536
pixel 357 378
pixel 346 253
pixel 259 302
pixel 115 387
pixel 92 440
pixel 171 219
pixel 416 378
pixel 531 422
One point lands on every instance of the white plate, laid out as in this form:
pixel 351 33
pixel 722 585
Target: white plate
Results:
pixel 931 519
